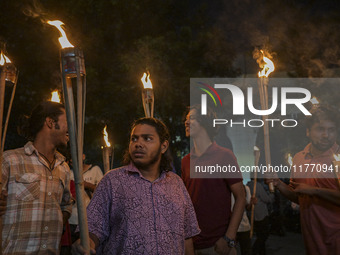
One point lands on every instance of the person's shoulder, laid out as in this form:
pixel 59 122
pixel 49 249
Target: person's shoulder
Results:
pixel 117 172
pixel 173 175
pixel 13 154
pixel 186 158
pixel 96 168
pixel 220 149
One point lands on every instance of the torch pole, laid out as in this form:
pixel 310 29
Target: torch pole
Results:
pixel 67 55
pixel 9 111
pixel 257 158
pixel 264 106
pixel 112 156
pixel 336 166
pixel 2 102
pixel 106 158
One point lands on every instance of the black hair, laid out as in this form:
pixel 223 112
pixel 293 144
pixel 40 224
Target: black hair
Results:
pixel 164 135
pixel 31 125
pixel 322 112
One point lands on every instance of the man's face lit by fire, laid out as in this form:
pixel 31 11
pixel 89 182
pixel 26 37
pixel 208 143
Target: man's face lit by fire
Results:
pixel 323 134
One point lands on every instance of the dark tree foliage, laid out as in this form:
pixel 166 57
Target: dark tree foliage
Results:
pixel 173 40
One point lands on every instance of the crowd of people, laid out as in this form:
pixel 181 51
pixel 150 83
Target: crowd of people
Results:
pixel 144 207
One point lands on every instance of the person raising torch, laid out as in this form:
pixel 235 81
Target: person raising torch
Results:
pixel 317 192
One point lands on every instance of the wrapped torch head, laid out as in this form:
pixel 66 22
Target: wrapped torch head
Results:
pixel 148 102
pixel 69 58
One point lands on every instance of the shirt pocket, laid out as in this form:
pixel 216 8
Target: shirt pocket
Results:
pixel 58 187
pixel 27 186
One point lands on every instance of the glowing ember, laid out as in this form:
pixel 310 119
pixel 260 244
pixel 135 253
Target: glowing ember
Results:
pixel 314 101
pixel 267 68
pixel 55 97
pixel 106 137
pixel 336 157
pixel 146 81
pixel 290 159
pixel 4 59
pixel 64 42
pixel 256 148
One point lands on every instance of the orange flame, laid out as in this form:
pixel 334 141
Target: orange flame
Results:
pixel 4 59
pixel 314 101
pixel 336 157
pixel 64 42
pixel 55 96
pixel 106 138
pixel 267 68
pixel 290 159
pixel 146 81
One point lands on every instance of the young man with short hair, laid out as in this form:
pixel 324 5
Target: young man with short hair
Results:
pixel 317 192
pixel 212 197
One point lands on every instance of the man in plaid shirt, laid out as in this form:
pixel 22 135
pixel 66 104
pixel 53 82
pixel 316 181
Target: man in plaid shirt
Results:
pixel 36 200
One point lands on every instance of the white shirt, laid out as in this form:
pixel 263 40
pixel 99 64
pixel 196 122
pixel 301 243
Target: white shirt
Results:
pixel 92 175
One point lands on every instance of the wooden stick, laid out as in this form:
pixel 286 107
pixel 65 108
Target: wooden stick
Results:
pixel 106 158
pixel 266 137
pixel 2 102
pixel 9 111
pixel 257 159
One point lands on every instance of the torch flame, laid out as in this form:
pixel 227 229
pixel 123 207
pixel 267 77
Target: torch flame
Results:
pixel 336 157
pixel 146 81
pixel 64 42
pixel 106 138
pixel 4 59
pixel 256 148
pixel 314 101
pixel 55 96
pixel 290 159
pixel 267 68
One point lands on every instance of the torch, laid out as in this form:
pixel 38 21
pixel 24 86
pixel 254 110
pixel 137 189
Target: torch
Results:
pixel 336 165
pixel 268 67
pixel 257 154
pixel 107 152
pixel 8 73
pixel 147 95
pixel 72 67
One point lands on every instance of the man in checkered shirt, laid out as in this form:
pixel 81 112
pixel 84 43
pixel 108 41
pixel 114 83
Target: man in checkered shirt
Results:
pixel 36 200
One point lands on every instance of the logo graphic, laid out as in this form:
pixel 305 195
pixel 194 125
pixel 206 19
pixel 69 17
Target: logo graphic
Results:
pixel 204 97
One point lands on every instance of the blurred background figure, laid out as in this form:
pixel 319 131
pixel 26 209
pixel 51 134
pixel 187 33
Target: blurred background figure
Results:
pixel 261 217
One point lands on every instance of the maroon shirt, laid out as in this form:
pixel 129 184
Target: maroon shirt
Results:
pixel 211 197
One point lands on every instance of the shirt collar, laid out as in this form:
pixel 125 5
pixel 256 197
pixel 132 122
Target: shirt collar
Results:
pixel 333 150
pixel 133 169
pixel 30 149
pixel 210 150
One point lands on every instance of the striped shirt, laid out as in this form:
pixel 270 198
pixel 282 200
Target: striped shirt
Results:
pixel 37 195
